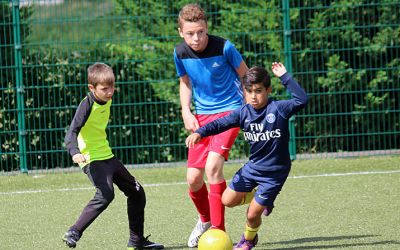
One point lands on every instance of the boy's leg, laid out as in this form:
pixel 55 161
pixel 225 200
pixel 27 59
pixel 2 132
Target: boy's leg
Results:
pixel 254 213
pixel 198 156
pixel 198 192
pixel 231 198
pixel 241 190
pixel 214 172
pixel 100 174
pixel 136 202
pixel 197 189
pixel 219 148
pixel 217 209
pixel 250 238
pixel 248 197
pixel 269 186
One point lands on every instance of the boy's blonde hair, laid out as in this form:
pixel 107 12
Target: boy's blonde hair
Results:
pixel 100 73
pixel 191 13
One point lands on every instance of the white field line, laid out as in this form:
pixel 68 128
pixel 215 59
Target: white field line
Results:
pixel 184 183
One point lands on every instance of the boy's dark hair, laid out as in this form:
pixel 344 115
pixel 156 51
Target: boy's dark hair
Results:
pixel 100 73
pixel 256 75
pixel 191 13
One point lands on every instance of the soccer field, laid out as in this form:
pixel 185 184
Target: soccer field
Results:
pixel 325 204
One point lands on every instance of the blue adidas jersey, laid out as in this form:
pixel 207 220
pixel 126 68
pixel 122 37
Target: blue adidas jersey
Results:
pixel 215 84
pixel 266 129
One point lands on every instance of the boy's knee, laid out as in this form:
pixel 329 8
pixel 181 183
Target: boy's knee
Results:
pixel 108 198
pixel 253 217
pixel 231 198
pixel 138 196
pixel 227 202
pixel 195 183
pixel 142 198
pixel 141 195
pixel 101 201
pixel 136 202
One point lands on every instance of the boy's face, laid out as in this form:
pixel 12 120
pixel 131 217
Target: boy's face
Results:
pixel 102 92
pixel 194 34
pixel 257 95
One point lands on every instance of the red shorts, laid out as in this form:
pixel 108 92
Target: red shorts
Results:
pixel 220 143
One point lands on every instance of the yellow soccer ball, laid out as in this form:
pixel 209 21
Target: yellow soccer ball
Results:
pixel 215 239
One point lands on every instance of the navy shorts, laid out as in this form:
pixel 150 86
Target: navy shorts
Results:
pixel 269 183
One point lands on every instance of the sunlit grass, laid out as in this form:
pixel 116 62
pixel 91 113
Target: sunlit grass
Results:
pixel 354 211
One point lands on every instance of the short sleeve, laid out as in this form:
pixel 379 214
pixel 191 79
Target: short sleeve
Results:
pixel 180 68
pixel 232 54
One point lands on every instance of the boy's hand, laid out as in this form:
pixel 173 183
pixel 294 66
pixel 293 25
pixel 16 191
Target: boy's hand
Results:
pixel 190 122
pixel 278 69
pixel 79 158
pixel 192 139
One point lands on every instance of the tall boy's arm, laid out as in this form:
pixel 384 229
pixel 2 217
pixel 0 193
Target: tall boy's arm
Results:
pixel 185 94
pixel 81 115
pixel 242 69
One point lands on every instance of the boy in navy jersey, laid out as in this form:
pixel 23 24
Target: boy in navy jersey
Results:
pixel 265 125
pixel 87 143
pixel 209 68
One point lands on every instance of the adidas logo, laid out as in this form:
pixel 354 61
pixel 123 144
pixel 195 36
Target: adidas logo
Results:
pixel 215 64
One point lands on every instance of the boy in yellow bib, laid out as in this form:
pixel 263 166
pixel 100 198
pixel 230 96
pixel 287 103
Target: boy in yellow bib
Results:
pixel 86 141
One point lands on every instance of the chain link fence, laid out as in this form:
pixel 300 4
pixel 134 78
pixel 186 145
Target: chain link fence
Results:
pixel 344 53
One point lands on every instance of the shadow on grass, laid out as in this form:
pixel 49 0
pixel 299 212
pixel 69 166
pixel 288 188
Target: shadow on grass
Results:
pixel 325 239
pixel 177 247
pixel 331 238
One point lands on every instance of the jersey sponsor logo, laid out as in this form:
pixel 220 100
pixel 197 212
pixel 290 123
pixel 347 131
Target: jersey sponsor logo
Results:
pixel 262 136
pixel 215 65
pixel 271 118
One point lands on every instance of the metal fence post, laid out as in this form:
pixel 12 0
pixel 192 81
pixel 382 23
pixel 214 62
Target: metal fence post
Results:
pixel 288 63
pixel 19 86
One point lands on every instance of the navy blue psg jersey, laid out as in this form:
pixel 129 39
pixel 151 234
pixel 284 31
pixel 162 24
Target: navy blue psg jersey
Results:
pixel 215 84
pixel 266 129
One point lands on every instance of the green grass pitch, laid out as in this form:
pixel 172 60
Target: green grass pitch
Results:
pixel 325 204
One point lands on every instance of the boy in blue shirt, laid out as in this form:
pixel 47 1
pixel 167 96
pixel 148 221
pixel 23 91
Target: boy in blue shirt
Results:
pixel 209 68
pixel 265 125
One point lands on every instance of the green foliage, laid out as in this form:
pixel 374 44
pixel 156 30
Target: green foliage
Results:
pixel 345 43
pixel 335 80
